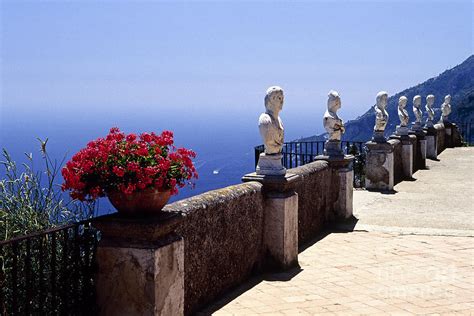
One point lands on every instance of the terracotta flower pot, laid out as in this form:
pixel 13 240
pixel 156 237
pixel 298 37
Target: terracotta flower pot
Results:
pixel 144 202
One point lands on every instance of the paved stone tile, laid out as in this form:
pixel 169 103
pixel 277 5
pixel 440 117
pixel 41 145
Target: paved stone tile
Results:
pixel 367 273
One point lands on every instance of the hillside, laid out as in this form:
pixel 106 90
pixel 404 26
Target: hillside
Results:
pixel 458 81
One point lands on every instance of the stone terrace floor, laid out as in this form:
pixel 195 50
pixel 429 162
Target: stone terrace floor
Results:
pixel 410 252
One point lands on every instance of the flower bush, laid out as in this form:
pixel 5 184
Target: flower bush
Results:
pixel 128 163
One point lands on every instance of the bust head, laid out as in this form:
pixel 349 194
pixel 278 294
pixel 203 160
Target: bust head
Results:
pixel 274 99
pixel 430 100
pixel 447 99
pixel 381 100
pixel 334 101
pixel 402 102
pixel 417 101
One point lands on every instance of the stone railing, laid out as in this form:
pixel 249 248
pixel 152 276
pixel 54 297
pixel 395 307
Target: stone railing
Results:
pixel 202 246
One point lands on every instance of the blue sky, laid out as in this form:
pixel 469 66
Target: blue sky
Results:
pixel 209 62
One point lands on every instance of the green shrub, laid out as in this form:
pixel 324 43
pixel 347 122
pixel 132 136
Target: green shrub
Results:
pixel 31 200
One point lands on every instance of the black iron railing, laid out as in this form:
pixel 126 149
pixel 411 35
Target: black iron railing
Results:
pixel 50 272
pixel 300 153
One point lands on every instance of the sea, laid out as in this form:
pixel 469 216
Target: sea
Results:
pixel 224 141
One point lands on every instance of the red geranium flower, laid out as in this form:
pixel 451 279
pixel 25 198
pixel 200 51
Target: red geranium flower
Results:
pixel 128 163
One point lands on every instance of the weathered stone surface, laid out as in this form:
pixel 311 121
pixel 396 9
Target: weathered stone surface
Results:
pixel 270 165
pixel 141 281
pixel 423 151
pixel 281 231
pixel 333 148
pixel 407 146
pixel 274 184
pixel 440 137
pixel 419 150
pixel 457 138
pixel 346 187
pixel 223 231
pixel 343 173
pixel 137 230
pixel 431 150
pixel 379 166
pixel 407 160
pixel 398 174
pixel 448 136
pixel 316 198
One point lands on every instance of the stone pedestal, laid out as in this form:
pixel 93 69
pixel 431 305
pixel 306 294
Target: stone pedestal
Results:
pixel 270 165
pixel 379 173
pixel 342 168
pixel 332 148
pixel 379 137
pixel 408 144
pixel 140 265
pixel 401 130
pixel 440 137
pixel 280 219
pixel 449 135
pixel 456 138
pixel 420 152
pixel 431 143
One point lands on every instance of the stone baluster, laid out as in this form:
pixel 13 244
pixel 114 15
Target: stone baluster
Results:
pixel 140 265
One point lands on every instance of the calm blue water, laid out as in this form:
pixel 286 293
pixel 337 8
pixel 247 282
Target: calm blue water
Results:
pixel 223 142
pixel 225 151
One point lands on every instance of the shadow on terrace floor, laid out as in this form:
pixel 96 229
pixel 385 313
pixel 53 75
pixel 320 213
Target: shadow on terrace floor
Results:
pixel 233 293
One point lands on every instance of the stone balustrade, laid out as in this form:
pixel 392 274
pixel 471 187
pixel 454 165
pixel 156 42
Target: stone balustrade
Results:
pixel 221 240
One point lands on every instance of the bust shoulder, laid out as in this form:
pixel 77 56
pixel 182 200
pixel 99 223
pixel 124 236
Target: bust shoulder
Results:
pixel 264 119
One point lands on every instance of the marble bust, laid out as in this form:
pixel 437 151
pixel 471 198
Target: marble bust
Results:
pixel 270 124
pixel 333 125
pixel 331 121
pixel 402 129
pixel 381 116
pixel 417 109
pixel 429 110
pixel 272 132
pixel 446 109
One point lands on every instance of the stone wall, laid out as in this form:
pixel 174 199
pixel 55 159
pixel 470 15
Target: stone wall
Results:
pixel 315 198
pixel 397 161
pixel 222 233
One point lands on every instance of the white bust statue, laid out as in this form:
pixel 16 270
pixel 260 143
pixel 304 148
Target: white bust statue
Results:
pixel 402 111
pixel 417 109
pixel 381 115
pixel 271 129
pixel 270 124
pixel 332 123
pixel 446 108
pixel 429 110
